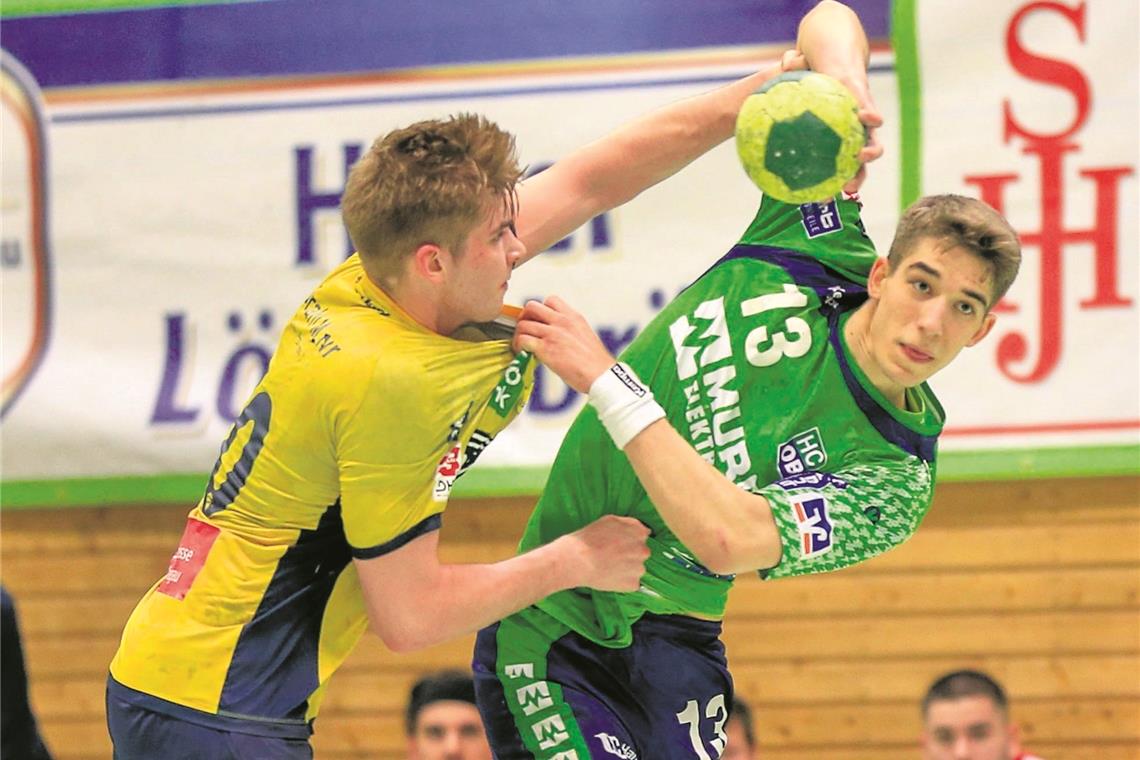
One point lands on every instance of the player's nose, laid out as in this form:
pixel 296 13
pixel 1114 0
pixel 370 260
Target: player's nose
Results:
pixel 931 316
pixel 516 250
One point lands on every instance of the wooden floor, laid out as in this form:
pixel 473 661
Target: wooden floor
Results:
pixel 1037 582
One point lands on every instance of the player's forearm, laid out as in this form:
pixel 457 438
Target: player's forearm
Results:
pixel 455 600
pixel 728 529
pixel 832 39
pixel 614 169
pixel 657 145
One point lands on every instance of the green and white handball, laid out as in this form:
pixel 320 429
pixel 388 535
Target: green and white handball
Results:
pixel 799 137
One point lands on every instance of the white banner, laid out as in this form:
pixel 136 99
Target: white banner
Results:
pixel 1033 107
pixel 187 224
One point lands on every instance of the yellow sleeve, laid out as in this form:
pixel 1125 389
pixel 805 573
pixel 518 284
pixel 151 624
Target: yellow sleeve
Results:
pixel 388 451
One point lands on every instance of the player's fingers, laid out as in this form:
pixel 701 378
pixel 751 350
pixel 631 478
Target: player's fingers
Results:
pixel 792 60
pixel 856 182
pixel 873 153
pixel 537 311
pixel 872 150
pixel 532 327
pixel 558 305
pixel 871 117
pixel 529 335
pixel 632 525
pixel 531 342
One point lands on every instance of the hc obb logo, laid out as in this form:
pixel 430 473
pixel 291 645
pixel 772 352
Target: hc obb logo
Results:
pixel 814 524
pixel 803 452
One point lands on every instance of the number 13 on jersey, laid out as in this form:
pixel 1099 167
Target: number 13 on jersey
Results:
pixel 763 346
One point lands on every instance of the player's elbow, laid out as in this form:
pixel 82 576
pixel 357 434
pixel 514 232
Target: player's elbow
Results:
pixel 731 556
pixel 403 638
pixel 750 544
pixel 403 645
pixel 402 630
pixel 715 552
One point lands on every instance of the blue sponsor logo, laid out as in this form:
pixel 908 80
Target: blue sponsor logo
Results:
pixel 811 480
pixel 821 218
pixel 814 525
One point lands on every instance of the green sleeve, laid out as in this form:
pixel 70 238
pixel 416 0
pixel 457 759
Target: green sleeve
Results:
pixel 831 521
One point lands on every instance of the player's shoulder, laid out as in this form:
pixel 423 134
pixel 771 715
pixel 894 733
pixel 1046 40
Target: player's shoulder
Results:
pixel 831 231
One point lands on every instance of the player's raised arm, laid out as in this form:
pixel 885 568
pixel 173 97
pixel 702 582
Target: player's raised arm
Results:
pixel 617 167
pixel 832 41
pixel 613 169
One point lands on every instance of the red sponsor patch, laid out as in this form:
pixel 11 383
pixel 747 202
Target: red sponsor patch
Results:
pixel 188 558
pixel 449 465
pixel 446 472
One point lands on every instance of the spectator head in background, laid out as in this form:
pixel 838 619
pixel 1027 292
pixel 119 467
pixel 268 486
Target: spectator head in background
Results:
pixel 741 733
pixel 442 720
pixel 965 716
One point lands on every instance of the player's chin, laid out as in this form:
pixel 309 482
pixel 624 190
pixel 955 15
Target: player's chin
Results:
pixel 917 374
pixel 488 311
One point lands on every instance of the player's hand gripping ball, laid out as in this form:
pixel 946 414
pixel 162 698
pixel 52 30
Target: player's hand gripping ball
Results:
pixel 799 137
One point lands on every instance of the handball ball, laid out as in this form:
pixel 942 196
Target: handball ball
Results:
pixel 799 137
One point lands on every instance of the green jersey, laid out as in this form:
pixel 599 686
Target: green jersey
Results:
pixel 751 367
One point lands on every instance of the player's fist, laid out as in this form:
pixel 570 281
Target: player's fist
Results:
pixel 612 551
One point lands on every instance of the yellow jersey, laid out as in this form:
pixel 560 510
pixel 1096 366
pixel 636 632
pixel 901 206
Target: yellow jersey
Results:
pixel 347 448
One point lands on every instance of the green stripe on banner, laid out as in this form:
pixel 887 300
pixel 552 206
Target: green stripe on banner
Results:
pixel 1026 464
pixel 85 492
pixel 904 41
pixel 953 466
pixel 17 8
pixel 188 487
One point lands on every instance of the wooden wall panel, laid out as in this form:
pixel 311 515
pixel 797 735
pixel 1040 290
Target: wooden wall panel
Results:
pixel 1036 582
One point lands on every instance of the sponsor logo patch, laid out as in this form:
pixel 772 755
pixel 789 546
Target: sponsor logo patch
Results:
pixel 550 731
pixel 637 388
pixel 821 219
pixel 810 511
pixel 801 453
pixel 811 480
pixel 616 746
pixel 506 393
pixel 446 472
pixel 188 558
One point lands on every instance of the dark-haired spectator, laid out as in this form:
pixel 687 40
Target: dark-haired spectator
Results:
pixel 965 716
pixel 442 720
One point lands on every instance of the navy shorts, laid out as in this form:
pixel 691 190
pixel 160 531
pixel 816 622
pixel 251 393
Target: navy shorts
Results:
pixel 141 734
pixel 546 692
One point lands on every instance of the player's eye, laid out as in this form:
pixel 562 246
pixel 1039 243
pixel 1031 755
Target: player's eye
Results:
pixel 967 308
pixel 922 286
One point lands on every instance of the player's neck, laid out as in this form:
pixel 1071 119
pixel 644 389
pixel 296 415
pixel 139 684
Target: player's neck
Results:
pixel 417 301
pixel 857 336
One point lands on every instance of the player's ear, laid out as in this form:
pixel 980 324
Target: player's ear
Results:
pixel 879 271
pixel 428 262
pixel 984 330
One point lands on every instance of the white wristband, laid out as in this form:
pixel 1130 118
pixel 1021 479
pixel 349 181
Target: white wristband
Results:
pixel 624 405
